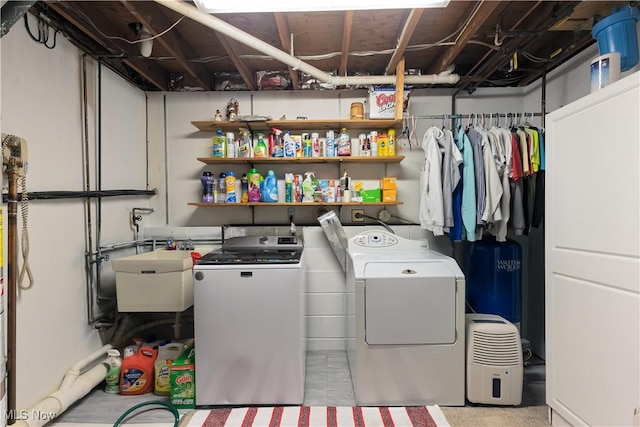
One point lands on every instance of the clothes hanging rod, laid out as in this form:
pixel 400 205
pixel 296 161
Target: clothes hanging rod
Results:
pixel 476 115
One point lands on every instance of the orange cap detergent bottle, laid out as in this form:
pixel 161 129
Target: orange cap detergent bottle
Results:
pixel 136 371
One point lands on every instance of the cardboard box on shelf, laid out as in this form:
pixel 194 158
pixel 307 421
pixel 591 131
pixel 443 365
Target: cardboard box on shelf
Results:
pixel 381 103
pixel 388 183
pixel 389 195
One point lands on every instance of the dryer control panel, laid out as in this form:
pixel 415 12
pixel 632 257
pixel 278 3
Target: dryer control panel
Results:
pixel 375 239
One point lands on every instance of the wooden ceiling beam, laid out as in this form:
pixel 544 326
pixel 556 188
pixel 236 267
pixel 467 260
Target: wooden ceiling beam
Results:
pixel 171 41
pixel 407 31
pixel 231 47
pixel 284 32
pixel 481 14
pixel 347 26
pixel 146 70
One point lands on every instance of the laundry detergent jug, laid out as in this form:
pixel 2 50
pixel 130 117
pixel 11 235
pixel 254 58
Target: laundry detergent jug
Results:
pixel 136 372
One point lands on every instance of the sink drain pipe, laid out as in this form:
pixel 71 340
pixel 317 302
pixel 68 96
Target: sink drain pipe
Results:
pixel 235 33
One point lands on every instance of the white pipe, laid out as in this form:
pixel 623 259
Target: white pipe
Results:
pixel 72 375
pixel 293 62
pixel 57 402
pixel 74 386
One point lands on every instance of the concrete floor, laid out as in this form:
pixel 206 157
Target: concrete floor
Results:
pixel 328 383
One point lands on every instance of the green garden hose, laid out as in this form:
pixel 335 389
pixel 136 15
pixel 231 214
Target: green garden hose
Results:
pixel 167 405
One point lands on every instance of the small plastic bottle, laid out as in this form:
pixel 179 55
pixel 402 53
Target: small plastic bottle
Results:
pixel 207 187
pixel 230 184
pixel 373 142
pixel 392 142
pixel 245 188
pixel 260 149
pixel 113 373
pixel 222 188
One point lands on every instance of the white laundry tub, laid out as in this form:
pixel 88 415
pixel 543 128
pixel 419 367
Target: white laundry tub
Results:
pixel 155 281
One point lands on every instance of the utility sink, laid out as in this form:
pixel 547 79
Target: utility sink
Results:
pixel 155 281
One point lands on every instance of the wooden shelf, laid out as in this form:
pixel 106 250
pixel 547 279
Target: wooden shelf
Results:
pixel 301 125
pixel 230 205
pixel 300 160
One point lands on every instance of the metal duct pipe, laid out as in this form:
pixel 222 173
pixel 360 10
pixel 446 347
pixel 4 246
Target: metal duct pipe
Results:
pixel 230 31
pixel 11 12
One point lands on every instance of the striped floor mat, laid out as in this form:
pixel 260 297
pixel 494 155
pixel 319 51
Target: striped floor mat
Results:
pixel 318 416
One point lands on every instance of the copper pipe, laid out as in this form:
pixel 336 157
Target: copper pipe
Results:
pixel 12 253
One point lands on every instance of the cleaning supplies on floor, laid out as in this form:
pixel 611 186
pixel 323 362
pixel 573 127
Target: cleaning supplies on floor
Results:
pixel 113 374
pixel 183 380
pixel 136 371
pixel 167 353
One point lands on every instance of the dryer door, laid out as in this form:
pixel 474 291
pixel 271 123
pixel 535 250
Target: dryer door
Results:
pixel 410 303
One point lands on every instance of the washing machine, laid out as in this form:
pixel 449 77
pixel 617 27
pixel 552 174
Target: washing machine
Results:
pixel 405 319
pixel 249 315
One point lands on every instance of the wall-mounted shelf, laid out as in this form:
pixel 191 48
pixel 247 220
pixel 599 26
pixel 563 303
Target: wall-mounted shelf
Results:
pixel 299 160
pixel 230 205
pixel 306 125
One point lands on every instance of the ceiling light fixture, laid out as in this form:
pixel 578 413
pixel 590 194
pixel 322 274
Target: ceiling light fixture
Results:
pixel 246 6
pixel 146 42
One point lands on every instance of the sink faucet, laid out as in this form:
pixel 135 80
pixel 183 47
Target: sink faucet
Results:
pixel 136 218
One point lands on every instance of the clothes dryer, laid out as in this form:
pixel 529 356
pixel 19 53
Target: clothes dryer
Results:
pixel 406 321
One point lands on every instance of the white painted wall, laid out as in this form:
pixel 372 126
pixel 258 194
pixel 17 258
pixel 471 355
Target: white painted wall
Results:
pixel 41 100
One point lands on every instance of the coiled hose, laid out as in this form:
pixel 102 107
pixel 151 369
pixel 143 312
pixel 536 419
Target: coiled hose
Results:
pixel 167 405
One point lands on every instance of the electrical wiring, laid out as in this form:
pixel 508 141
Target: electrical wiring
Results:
pixel 43 32
pixel 132 42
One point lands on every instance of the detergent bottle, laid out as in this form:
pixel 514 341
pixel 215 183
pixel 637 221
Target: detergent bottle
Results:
pixel 253 182
pixel 167 353
pixel 307 187
pixel 113 374
pixel 269 190
pixel 136 372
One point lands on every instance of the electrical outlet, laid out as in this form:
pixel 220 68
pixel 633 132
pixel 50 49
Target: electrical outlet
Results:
pixel 353 215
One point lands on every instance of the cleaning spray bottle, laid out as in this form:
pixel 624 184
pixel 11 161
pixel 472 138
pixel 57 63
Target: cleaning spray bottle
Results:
pixel 113 374
pixel 307 187
pixel 260 150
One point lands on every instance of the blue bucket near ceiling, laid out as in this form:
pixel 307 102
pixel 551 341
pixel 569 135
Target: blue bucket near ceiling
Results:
pixel 618 33
pixel 494 278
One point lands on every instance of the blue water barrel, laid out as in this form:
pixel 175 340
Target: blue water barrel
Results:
pixel 494 278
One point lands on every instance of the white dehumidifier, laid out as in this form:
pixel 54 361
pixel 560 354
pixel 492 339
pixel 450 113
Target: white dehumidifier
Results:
pixel 494 360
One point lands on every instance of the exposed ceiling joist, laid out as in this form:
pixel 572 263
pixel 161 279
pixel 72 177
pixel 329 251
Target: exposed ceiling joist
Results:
pixel 346 41
pixel 171 41
pixel 407 31
pixel 144 68
pixel 484 11
pixel 231 47
pixel 285 33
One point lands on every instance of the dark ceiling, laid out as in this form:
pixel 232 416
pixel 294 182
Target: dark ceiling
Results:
pixel 490 43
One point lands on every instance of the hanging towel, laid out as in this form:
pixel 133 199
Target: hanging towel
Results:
pixel 431 212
